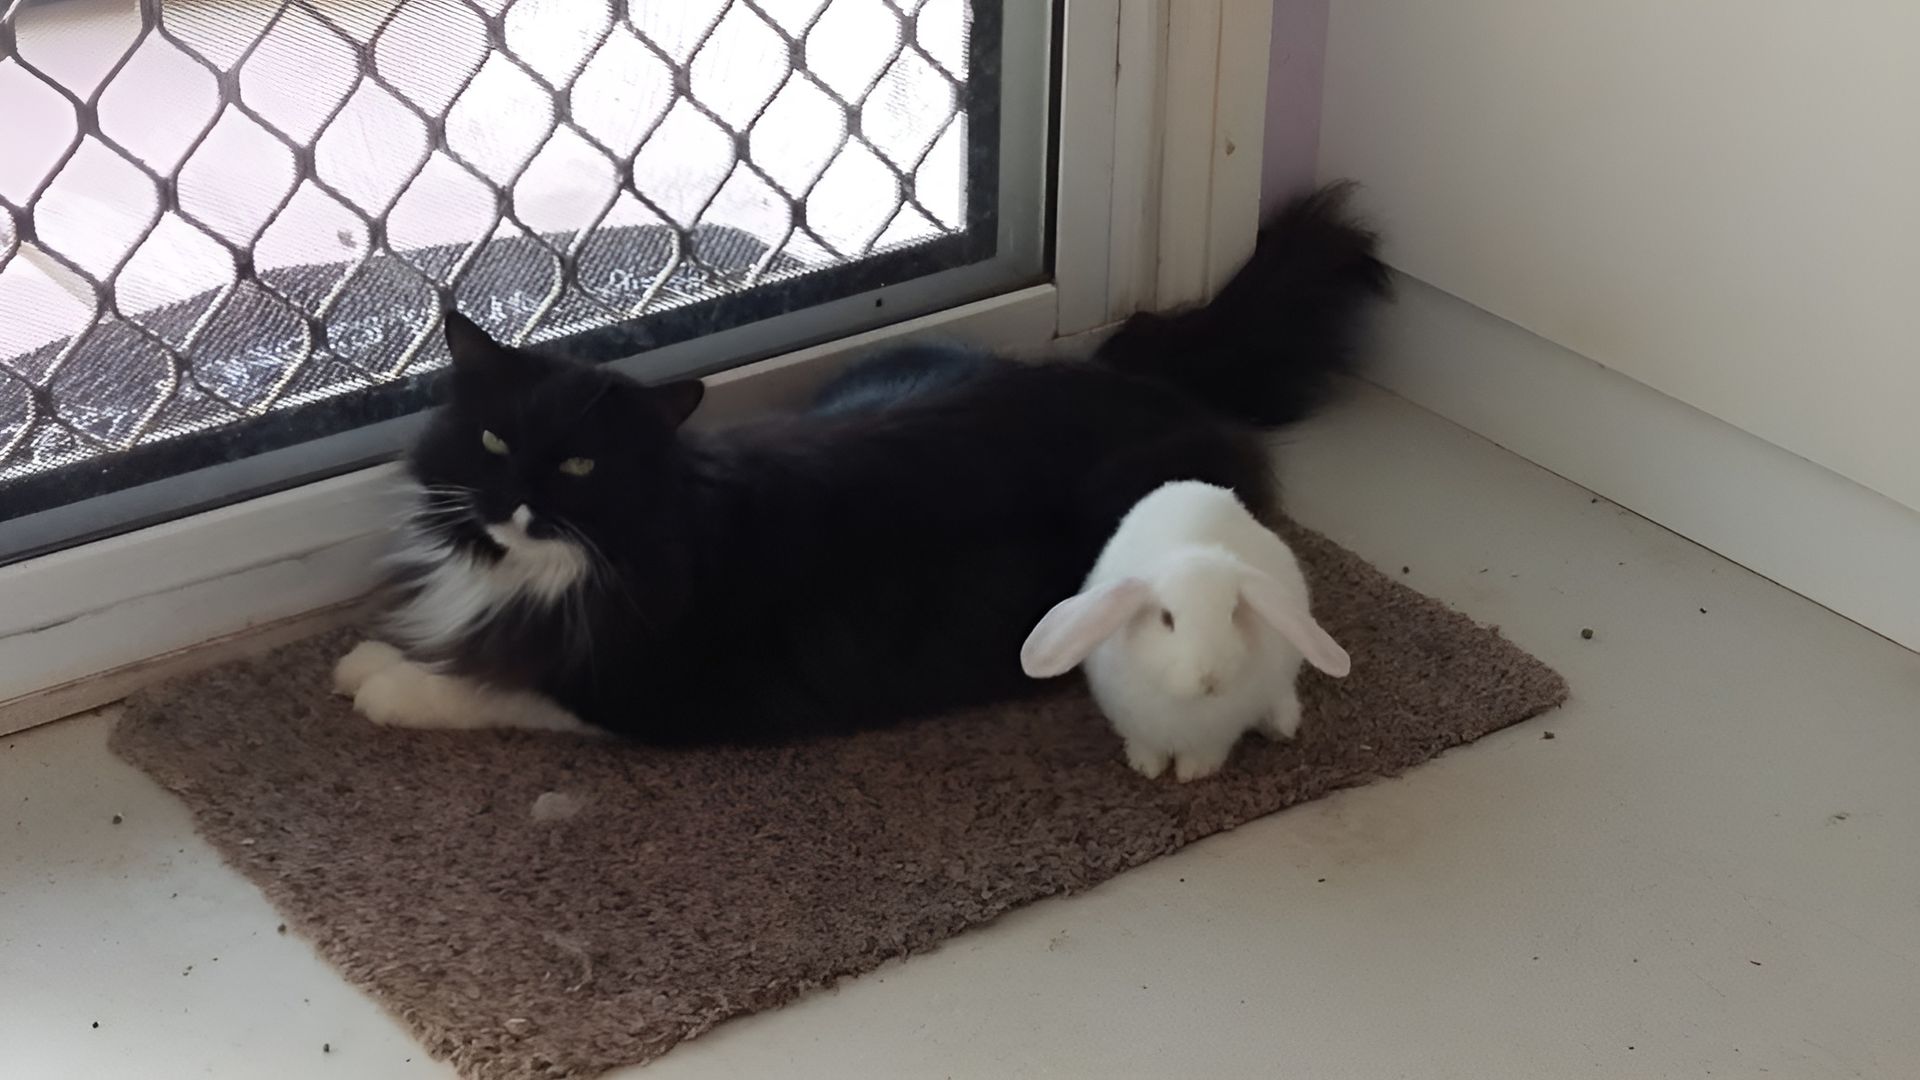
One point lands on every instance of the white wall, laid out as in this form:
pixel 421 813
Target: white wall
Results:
pixel 1296 77
pixel 1718 198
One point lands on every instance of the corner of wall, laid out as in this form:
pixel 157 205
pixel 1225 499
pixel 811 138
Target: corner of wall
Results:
pixel 1294 90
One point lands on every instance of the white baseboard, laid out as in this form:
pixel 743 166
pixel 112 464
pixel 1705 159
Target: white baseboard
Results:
pixel 1811 530
pixel 115 602
pixel 112 605
pixel 103 688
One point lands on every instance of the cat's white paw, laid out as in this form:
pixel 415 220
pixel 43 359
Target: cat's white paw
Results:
pixel 1146 761
pixel 366 660
pixel 402 695
pixel 407 695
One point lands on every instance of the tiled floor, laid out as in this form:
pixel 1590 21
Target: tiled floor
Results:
pixel 1710 870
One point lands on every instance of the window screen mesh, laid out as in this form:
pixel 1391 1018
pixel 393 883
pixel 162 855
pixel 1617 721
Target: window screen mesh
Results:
pixel 217 213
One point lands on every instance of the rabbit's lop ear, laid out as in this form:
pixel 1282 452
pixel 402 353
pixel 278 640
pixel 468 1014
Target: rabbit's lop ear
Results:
pixel 1289 615
pixel 1078 624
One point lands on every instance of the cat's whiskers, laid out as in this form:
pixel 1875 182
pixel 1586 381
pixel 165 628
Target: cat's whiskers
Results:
pixel 435 512
pixel 575 615
pixel 440 505
pixel 597 558
pixel 601 569
pixel 437 494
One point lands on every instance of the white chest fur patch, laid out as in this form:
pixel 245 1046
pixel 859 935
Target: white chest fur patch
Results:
pixel 457 591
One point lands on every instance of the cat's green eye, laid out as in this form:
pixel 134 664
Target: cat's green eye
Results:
pixel 577 466
pixel 494 443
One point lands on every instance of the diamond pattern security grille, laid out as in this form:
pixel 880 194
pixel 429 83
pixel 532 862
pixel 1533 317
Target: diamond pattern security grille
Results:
pixel 216 214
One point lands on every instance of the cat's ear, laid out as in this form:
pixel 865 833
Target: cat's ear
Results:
pixel 677 400
pixel 478 360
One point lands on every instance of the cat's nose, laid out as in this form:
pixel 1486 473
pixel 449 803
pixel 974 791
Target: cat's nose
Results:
pixel 532 525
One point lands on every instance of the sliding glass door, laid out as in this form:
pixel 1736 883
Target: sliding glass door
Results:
pixel 228 228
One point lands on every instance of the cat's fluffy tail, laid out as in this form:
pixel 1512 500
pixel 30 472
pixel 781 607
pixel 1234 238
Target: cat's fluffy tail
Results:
pixel 1265 348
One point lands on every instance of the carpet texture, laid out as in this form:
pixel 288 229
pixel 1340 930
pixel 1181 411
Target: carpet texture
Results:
pixel 546 906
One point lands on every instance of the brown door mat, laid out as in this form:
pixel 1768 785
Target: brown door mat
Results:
pixel 654 894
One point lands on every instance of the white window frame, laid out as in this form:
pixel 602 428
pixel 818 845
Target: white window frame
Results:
pixel 1161 118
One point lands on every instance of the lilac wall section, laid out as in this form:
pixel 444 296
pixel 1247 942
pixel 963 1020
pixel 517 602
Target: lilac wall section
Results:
pixel 1293 98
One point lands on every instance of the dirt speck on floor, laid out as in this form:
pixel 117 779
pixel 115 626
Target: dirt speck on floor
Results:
pixel 557 806
pixel 1586 633
pixel 117 819
pixel 1548 735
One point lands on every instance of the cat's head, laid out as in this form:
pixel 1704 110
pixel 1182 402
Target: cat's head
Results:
pixel 541 460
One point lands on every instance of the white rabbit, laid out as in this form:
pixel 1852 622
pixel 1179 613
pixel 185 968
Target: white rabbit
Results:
pixel 1192 627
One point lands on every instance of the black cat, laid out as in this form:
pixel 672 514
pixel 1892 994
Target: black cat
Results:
pixel 878 557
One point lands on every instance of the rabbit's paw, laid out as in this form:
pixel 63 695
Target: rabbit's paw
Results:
pixel 1148 761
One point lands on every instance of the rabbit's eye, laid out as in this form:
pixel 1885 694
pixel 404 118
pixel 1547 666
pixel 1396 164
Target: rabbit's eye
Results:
pixel 1166 618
